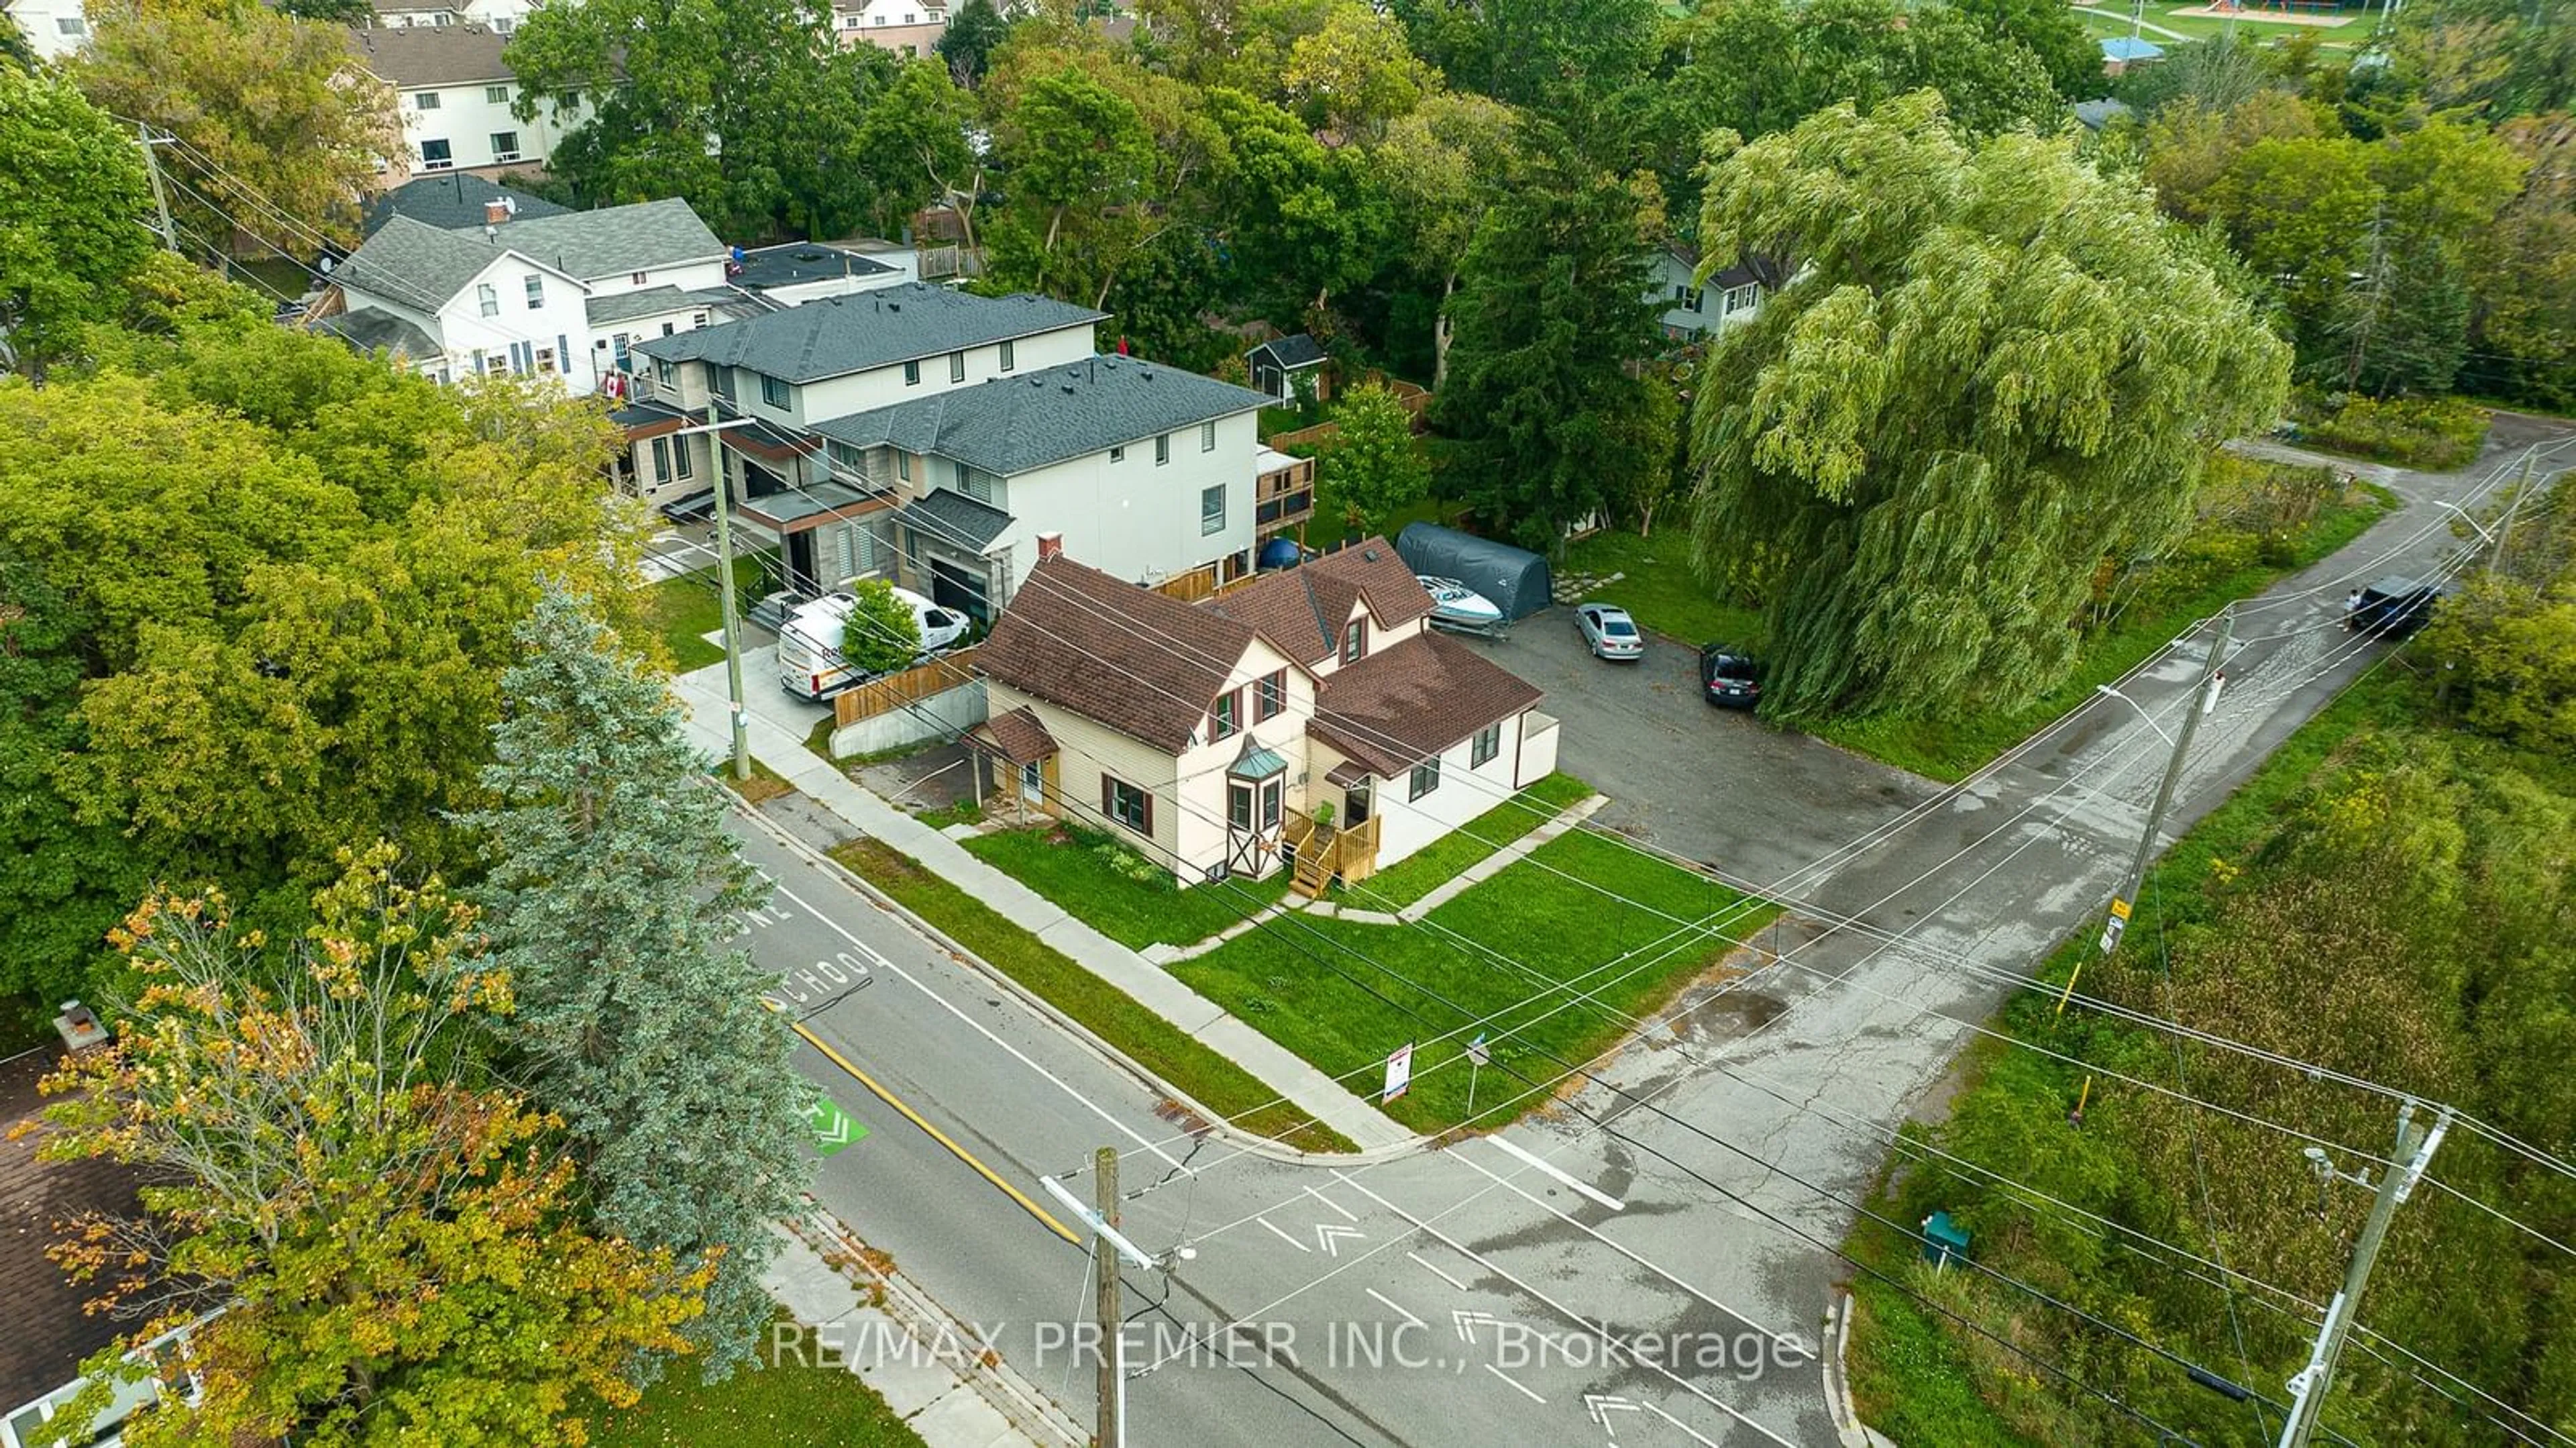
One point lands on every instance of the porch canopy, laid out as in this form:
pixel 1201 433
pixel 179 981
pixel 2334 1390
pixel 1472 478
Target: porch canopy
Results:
pixel 1017 738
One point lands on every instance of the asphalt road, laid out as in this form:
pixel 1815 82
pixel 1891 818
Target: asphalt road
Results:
pixel 1649 1260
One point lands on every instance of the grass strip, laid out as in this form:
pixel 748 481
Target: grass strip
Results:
pixel 1444 859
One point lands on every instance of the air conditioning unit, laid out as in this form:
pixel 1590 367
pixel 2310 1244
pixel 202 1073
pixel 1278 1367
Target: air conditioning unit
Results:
pixel 448 165
pixel 500 156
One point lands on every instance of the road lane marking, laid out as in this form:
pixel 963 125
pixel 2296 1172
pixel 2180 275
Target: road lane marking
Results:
pixel 1282 1236
pixel 1328 1201
pixel 1678 1423
pixel 952 1007
pixel 1331 1235
pixel 1599 1406
pixel 1409 1318
pixel 1785 1339
pixel 1586 1188
pixel 1436 1272
pixel 1601 1330
pixel 1524 1392
pixel 937 1135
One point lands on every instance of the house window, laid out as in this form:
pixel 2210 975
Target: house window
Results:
pixel 503 25
pixel 773 390
pixel 682 467
pixel 1226 719
pixel 71 25
pixel 1489 742
pixel 536 291
pixel 662 459
pixel 1118 454
pixel 1686 298
pixel 1162 448
pixel 979 486
pixel 1238 805
pixel 498 95
pixel 903 466
pixel 488 300
pixel 664 374
pixel 436 155
pixel 1207 437
pixel 1426 778
pixel 912 374
pixel 638 278
pixel 844 456
pixel 1212 510
pixel 1271 795
pixel 956 366
pixel 1007 362
pixel 505 145
pixel 1355 641
pixel 425 101
pixel 1744 298
pixel 720 381
pixel 523 357
pixel 1270 696
pixel 1127 804
pixel 545 359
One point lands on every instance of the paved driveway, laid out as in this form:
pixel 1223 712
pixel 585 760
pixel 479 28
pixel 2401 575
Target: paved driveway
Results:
pixel 1713 784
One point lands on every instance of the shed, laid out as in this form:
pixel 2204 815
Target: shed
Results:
pixel 1276 365
pixel 1515 580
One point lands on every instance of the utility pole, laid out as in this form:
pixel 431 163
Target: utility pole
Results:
pixel 2406 1167
pixel 724 587
pixel 1112 1384
pixel 160 198
pixel 2504 525
pixel 2124 902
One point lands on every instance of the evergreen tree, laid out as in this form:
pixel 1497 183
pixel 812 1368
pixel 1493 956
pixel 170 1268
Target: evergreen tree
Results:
pixel 614 899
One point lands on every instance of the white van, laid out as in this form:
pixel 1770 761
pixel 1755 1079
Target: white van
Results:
pixel 810 665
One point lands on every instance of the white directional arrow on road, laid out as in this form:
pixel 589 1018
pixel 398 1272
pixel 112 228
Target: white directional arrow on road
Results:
pixel 1330 1235
pixel 1599 1406
pixel 1467 1322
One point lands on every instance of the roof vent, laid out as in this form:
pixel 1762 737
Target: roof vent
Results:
pixel 1068 389
pixel 1370 554
pixel 894 306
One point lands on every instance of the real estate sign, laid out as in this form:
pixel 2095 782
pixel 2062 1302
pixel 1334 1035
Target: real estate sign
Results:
pixel 1399 1072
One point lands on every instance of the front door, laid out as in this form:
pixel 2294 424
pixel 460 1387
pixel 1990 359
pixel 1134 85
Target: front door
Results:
pixel 800 563
pixel 1355 806
pixel 1251 826
pixel 1033 782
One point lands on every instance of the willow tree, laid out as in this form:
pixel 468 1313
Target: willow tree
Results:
pixel 1993 368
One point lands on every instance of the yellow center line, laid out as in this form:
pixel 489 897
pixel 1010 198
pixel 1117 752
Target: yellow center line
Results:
pixel 937 1135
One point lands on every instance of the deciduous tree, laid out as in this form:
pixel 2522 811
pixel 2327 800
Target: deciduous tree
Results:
pixel 615 897
pixel 1372 469
pixel 1994 368
pixel 1443 167
pixel 74 212
pixel 973 34
pixel 392 1244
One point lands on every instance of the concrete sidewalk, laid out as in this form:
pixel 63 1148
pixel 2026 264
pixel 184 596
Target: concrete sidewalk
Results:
pixel 1309 1089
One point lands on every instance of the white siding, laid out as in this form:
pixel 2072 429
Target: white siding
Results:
pixel 1086 751
pixel 1464 793
pixel 1136 520
pixel 467 119
pixel 1201 770
pixel 55 28
pixel 884 386
pixel 559 321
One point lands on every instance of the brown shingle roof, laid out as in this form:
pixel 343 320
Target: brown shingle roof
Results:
pixel 415 57
pixel 1018 736
pixel 1392 710
pixel 1303 609
pixel 48 1333
pixel 1140 662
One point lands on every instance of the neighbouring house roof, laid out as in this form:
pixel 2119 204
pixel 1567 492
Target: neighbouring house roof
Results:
pixel 2094 115
pixel 48 1332
pixel 368 328
pixel 1396 708
pixel 420 266
pixel 1744 272
pixel 1303 609
pixel 450 200
pixel 1289 353
pixel 837 336
pixel 954 518
pixel 1028 420
pixel 1018 736
pixel 423 57
pixel 801 261
pixel 650 302
pixel 2130 48
pixel 613 239
pixel 650 419
pixel 1142 663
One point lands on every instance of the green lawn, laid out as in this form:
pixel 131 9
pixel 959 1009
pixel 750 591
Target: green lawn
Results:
pixel 686 608
pixel 1342 995
pixel 1066 864
pixel 780 1406
pixel 1113 1015
pixel 2251 26
pixel 1439 862
pixel 1662 589
pixel 1951 746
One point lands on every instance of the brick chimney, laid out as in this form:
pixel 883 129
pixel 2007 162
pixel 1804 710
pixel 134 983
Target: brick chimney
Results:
pixel 1049 545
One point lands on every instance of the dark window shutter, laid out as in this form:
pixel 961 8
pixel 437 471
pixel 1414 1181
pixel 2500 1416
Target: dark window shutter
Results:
pixel 1104 798
pixel 1146 796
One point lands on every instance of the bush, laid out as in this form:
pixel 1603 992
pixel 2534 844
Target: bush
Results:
pixel 2436 434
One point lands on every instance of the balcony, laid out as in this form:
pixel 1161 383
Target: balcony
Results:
pixel 1283 491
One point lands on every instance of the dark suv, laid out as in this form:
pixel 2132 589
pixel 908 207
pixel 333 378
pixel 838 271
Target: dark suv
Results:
pixel 1729 677
pixel 2394 607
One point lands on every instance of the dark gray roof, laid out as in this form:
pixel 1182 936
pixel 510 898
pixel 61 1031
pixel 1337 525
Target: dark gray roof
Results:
pixel 420 266
pixel 1290 352
pixel 952 517
pixel 801 261
pixel 2096 114
pixel 450 200
pixel 652 301
pixel 614 239
pixel 1012 424
pixel 368 328
pixel 841 335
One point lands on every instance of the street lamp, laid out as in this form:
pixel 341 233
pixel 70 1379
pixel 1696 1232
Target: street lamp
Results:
pixel 2473 523
pixel 2148 719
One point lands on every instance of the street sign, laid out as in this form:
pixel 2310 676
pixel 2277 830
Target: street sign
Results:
pixel 2111 930
pixel 835 1130
pixel 1399 1072
pixel 2119 907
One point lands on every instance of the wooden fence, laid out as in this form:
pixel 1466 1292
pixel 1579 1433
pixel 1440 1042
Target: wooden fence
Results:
pixel 889 692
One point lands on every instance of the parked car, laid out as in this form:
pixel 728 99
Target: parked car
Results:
pixel 2394 607
pixel 695 508
pixel 1609 632
pixel 810 663
pixel 1729 676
